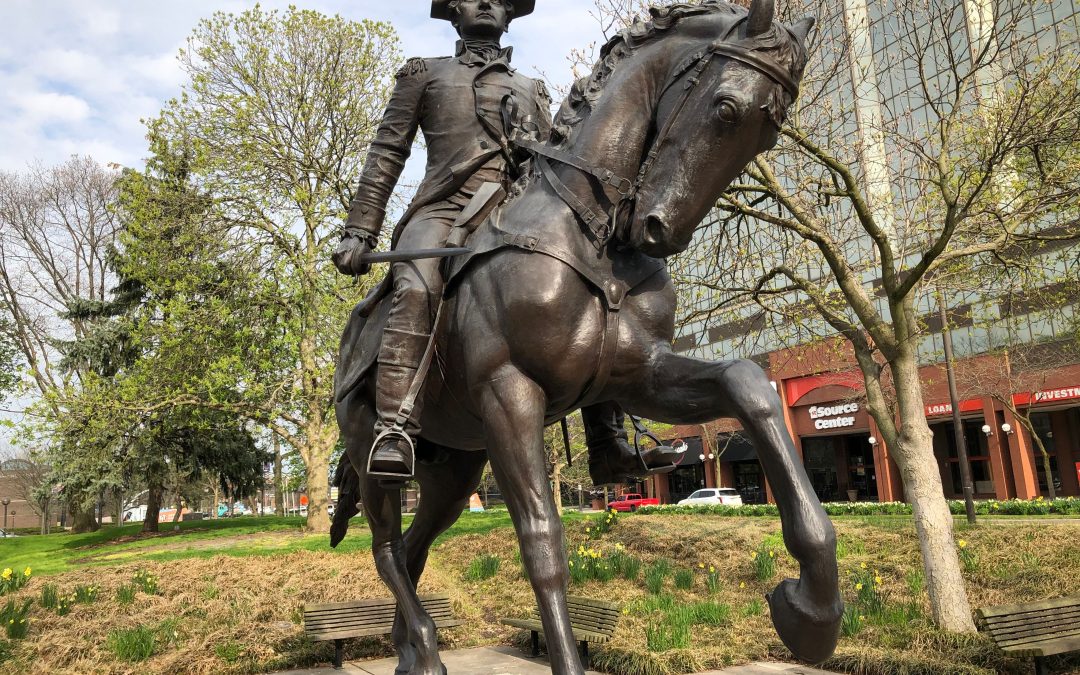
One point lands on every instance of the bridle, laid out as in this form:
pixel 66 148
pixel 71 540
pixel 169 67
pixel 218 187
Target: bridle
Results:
pixel 602 225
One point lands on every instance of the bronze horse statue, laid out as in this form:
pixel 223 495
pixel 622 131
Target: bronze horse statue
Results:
pixel 565 301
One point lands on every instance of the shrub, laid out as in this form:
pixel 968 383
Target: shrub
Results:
pixel 1012 507
pixel 125 594
pixel 86 594
pixel 49 596
pixel 15 618
pixel 146 582
pixel 763 562
pixel 710 613
pixel 133 645
pixel 229 652
pixel 754 608
pixel 654 577
pixel 968 560
pixel 11 581
pixel 852 622
pixel 625 565
pixel 684 580
pixel 482 567
pixel 661 637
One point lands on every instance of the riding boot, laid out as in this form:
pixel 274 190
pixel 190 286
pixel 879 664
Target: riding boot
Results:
pixel 393 456
pixel 611 457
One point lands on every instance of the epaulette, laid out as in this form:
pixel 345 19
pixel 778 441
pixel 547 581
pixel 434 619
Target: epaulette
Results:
pixel 413 66
pixel 542 90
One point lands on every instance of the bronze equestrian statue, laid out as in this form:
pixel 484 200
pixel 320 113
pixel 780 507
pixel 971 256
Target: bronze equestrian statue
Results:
pixel 469 108
pixel 565 302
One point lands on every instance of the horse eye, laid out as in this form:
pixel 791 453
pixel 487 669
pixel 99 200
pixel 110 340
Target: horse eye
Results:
pixel 727 112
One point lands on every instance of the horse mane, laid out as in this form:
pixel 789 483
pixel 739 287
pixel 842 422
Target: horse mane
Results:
pixel 587 90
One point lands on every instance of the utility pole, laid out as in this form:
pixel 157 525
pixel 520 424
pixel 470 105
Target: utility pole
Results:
pixel 954 400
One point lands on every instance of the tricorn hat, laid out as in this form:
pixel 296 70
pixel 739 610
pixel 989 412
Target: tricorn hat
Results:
pixel 440 9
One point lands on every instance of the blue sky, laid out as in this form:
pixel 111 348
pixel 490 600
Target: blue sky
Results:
pixel 76 76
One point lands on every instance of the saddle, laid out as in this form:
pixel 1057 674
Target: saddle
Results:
pixel 612 271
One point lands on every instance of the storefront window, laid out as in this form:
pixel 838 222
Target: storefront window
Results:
pixel 978 451
pixel 749 482
pixel 1044 430
pixel 819 457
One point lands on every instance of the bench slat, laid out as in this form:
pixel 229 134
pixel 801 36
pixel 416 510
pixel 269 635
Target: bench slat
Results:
pixel 1046 648
pixel 1043 625
pixel 371 602
pixel 369 632
pixel 327 625
pixel 369 612
pixel 590 602
pixel 1064 615
pixel 1063 632
pixel 1030 616
pixel 1000 610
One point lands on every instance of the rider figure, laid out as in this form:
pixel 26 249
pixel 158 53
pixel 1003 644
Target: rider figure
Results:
pixel 469 106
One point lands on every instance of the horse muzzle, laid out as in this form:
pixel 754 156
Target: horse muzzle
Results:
pixel 652 235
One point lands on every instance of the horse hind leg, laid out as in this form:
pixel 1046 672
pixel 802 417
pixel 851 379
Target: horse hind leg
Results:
pixel 806 612
pixel 445 489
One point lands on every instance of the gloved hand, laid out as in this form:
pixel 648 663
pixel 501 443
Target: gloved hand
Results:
pixel 347 256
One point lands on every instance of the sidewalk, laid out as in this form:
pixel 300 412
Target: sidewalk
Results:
pixel 511 661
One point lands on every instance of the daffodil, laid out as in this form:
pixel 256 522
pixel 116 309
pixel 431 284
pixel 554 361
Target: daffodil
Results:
pixel 7 573
pixel 877 580
pixel 753 555
pixel 862 565
pixel 712 570
pixel 701 566
pixel 742 584
pixel 26 572
pixel 858 587
pixel 962 543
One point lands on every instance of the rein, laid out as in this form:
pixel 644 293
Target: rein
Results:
pixel 602 225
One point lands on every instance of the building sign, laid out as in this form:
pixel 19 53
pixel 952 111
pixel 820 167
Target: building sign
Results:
pixel 941 409
pixel 1062 394
pixel 834 416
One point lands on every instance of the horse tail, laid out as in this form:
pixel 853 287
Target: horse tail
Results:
pixel 347 481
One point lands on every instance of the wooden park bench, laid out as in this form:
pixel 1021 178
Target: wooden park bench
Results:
pixel 591 620
pixel 1038 629
pixel 361 618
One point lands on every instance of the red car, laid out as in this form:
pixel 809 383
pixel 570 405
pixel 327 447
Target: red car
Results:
pixel 631 502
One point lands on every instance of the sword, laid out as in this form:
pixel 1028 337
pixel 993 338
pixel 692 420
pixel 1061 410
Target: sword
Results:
pixel 414 254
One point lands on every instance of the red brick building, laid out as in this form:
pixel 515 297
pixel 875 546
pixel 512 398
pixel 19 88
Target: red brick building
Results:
pixel 840 446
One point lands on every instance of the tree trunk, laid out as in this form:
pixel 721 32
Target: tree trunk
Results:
pixel 217 500
pixel 556 485
pixel 82 520
pixel 279 486
pixel 155 492
pixel 914 454
pixel 179 508
pixel 317 465
pixel 1050 491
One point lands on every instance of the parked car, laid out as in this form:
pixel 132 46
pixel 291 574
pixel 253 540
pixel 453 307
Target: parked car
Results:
pixel 5 534
pixel 631 501
pixel 727 496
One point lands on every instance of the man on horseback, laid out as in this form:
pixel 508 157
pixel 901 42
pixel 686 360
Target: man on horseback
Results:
pixel 470 107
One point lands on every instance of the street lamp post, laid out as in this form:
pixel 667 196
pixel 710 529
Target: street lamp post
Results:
pixel 5 501
pixel 958 428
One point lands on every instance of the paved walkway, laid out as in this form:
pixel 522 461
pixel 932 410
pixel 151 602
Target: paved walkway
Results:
pixel 511 661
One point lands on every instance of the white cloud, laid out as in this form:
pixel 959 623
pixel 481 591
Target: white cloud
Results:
pixel 77 75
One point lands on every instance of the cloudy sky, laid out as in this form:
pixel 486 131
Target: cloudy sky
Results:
pixel 76 76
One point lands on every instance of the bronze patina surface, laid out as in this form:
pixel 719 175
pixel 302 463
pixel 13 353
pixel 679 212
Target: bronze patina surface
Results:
pixel 565 301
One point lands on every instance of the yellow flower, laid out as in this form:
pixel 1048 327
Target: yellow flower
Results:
pixel 862 565
pixel 26 572
pixel 571 563
pixel 701 566
pixel 962 543
pixel 858 587
pixel 625 610
pixel 772 554
pixel 742 584
pixel 712 570
pixel 588 529
pixel 862 618
pixel 877 580
pixel 753 555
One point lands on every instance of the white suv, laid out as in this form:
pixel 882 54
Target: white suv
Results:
pixel 726 496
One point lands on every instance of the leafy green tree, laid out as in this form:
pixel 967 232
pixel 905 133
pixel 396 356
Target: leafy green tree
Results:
pixel 278 113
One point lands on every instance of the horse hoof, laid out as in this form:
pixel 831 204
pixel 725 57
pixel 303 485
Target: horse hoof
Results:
pixel 809 632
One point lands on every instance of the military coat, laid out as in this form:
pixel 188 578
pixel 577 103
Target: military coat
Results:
pixel 467 108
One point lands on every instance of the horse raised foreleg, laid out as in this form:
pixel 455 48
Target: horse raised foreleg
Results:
pixel 806 612
pixel 445 489
pixel 513 412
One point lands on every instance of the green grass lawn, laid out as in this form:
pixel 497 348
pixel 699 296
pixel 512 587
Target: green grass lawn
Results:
pixel 243 536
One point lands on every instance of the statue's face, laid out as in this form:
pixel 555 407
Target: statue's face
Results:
pixel 481 18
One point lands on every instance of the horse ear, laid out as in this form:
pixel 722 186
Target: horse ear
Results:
pixel 802 27
pixel 760 18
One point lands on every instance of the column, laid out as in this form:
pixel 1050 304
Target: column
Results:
pixel 1022 458
pixel 1003 488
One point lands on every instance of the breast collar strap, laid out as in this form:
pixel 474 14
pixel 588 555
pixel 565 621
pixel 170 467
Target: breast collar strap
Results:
pixel 602 225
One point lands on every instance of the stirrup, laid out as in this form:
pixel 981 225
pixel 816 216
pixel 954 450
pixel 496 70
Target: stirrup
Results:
pixel 388 478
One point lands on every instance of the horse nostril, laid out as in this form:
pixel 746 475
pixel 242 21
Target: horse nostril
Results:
pixel 655 230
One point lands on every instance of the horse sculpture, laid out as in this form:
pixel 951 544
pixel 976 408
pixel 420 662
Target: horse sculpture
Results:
pixel 565 301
